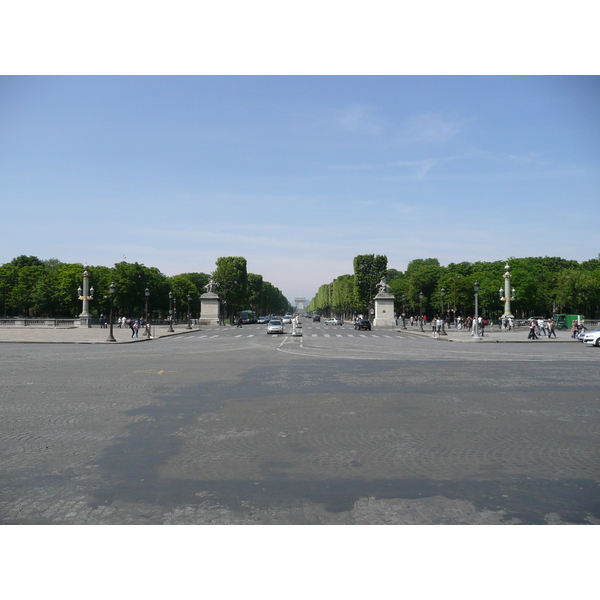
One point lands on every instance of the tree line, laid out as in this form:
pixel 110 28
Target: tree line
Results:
pixel 543 286
pixel 49 288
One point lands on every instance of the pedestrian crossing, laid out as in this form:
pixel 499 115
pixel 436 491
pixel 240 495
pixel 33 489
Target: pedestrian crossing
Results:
pixel 315 333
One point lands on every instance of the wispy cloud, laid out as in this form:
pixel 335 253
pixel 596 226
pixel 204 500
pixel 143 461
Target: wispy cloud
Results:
pixel 420 168
pixel 359 119
pixel 432 127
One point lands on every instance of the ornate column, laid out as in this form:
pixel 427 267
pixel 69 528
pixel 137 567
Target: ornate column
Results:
pixel 85 318
pixel 507 298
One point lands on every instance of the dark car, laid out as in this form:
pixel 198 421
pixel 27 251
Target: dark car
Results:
pixel 317 318
pixel 363 324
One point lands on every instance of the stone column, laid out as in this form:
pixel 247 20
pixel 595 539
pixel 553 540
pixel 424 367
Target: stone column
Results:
pixel 85 318
pixel 507 298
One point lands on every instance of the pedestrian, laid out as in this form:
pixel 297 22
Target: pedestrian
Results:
pixel 532 335
pixel 541 326
pixel 135 328
pixel 239 323
pixel 574 329
pixel 551 329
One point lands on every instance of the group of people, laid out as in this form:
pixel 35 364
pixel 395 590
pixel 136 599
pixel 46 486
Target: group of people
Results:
pixel 539 327
pixel 123 323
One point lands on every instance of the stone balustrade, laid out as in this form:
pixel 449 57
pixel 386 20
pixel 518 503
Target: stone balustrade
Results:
pixel 43 323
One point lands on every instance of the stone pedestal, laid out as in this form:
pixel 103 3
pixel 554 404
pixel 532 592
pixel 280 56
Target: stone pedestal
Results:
pixel 384 310
pixel 209 309
pixel 85 320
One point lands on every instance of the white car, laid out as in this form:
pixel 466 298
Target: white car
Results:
pixel 592 338
pixel 275 326
pixel 287 319
pixel 334 321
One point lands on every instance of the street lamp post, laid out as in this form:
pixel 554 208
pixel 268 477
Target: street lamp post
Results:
pixel 421 309
pixel 443 295
pixel 147 292
pixel 171 313
pixel 112 289
pixel 475 329
pixel 85 295
pixel 403 311
pixel 189 297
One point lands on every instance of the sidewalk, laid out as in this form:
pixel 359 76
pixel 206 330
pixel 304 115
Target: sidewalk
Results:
pixel 517 335
pixel 85 335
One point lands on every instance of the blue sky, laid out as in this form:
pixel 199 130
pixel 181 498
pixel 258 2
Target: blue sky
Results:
pixel 298 173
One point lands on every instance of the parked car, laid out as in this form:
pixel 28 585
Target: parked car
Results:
pixel 334 321
pixel 363 324
pixel 592 338
pixel 275 326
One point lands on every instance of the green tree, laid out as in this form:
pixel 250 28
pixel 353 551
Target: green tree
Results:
pixel 255 285
pixel 232 276
pixel 368 271
pixel 423 275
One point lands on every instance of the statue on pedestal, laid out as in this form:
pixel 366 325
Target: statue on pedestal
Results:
pixel 384 288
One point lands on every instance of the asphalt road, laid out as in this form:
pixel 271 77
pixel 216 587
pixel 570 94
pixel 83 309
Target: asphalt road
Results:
pixel 232 426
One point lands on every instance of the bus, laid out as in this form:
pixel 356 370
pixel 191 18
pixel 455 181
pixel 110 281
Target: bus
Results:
pixel 247 316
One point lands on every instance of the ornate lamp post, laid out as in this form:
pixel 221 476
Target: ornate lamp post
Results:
pixel 171 313
pixel 147 292
pixel 421 309
pixel 85 295
pixel 189 298
pixel 403 311
pixel 113 289
pixel 475 329
pixel 507 298
pixel 443 295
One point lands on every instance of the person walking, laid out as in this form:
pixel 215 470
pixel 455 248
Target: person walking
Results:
pixel 532 335
pixel 551 329
pixel 239 323
pixel 135 328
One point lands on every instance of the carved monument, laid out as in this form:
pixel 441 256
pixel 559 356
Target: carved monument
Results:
pixel 384 306
pixel 210 305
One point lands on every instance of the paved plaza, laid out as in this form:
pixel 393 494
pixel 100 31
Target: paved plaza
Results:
pixel 226 425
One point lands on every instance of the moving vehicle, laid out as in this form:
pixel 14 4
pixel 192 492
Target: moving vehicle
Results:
pixel 275 326
pixel 363 324
pixel 287 319
pixel 592 338
pixel 262 320
pixel 316 319
pixel 247 316
pixel 334 321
